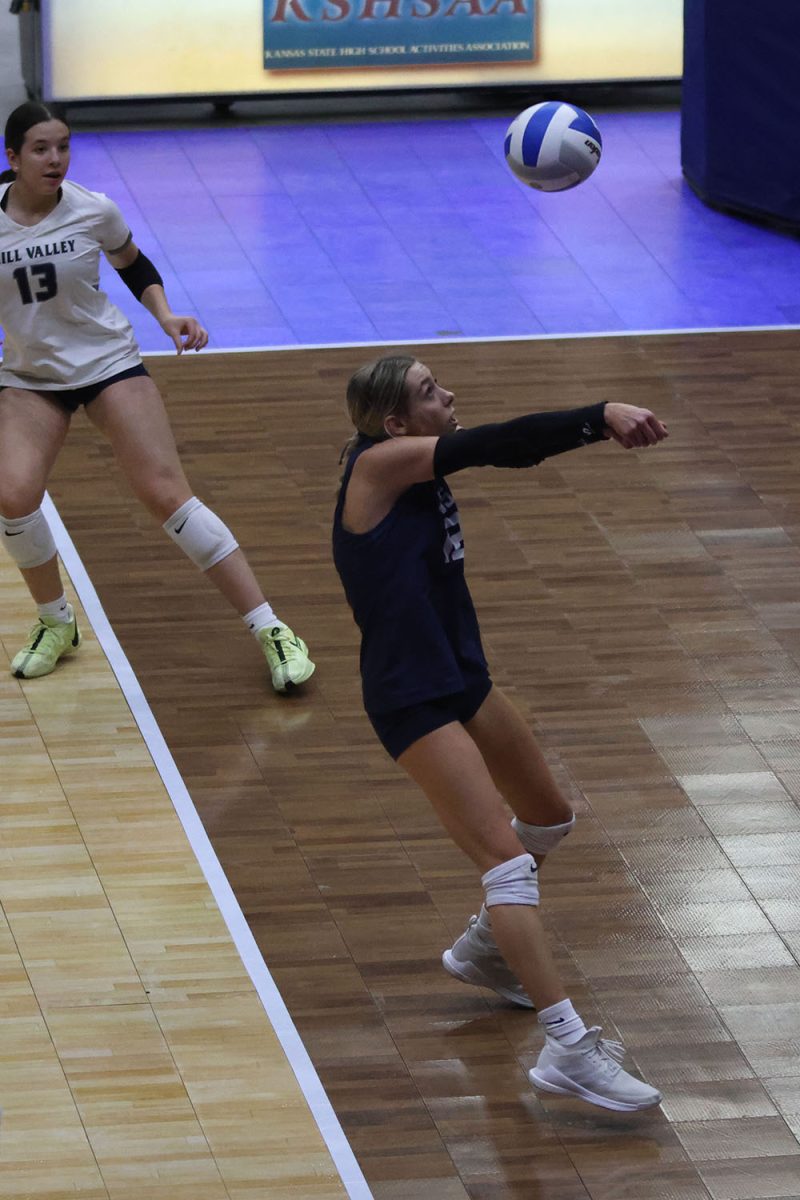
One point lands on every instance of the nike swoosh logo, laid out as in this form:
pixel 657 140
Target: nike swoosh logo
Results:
pixel 19 533
pixel 178 528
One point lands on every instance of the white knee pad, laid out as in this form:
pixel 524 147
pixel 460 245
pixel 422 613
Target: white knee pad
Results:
pixel 28 539
pixel 541 839
pixel 513 882
pixel 200 534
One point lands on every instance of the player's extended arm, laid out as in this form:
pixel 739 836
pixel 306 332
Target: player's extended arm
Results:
pixel 526 441
pixel 385 471
pixel 139 274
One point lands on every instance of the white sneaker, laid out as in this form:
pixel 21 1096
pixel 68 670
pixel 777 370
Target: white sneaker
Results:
pixel 592 1070
pixel 474 960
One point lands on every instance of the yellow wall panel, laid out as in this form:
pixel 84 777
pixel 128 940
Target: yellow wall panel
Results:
pixel 202 47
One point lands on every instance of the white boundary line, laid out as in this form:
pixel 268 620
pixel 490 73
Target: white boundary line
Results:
pixel 511 337
pixel 277 1013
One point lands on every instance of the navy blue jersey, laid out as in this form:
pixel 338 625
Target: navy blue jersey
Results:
pixel 404 581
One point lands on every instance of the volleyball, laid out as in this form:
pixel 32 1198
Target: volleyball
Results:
pixel 553 146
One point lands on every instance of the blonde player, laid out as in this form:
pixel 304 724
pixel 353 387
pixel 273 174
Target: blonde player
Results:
pixel 399 550
pixel 67 346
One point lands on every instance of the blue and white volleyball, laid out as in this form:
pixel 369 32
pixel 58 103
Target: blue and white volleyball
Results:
pixel 553 146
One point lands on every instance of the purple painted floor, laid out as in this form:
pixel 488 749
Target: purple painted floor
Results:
pixel 375 232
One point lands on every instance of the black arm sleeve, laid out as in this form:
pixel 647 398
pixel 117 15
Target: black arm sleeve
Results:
pixel 139 275
pixel 521 442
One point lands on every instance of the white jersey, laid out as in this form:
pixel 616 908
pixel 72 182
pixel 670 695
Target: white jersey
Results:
pixel 60 330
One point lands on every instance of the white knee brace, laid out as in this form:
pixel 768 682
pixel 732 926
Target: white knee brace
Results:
pixel 541 839
pixel 28 539
pixel 200 534
pixel 513 882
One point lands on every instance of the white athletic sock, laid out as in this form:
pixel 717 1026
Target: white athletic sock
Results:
pixel 261 617
pixel 562 1023
pixel 56 608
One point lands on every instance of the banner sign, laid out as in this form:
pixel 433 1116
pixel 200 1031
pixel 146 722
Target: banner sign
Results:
pixel 249 48
pixel 388 33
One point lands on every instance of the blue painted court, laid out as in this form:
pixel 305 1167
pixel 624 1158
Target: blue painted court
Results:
pixel 389 231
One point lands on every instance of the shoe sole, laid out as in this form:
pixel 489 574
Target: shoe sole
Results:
pixel 581 1093
pixel 19 672
pixel 469 973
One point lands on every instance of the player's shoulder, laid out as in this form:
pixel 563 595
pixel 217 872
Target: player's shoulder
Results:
pixel 85 201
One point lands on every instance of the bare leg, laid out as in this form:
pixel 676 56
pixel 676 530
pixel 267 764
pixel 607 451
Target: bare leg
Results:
pixel 235 579
pixel 132 416
pixel 449 767
pixel 44 583
pixel 32 431
pixel 516 763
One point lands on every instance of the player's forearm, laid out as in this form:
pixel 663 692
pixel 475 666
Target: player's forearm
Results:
pixel 521 442
pixel 154 298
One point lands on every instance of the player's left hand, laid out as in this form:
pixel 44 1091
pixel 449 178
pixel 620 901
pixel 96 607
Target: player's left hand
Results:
pixel 633 427
pixel 186 332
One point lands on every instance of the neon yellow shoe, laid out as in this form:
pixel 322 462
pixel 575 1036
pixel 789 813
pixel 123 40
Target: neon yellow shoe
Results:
pixel 49 641
pixel 287 657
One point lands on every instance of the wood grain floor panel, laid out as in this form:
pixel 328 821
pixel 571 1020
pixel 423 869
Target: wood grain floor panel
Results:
pixel 642 611
pixel 135 1057
pixel 44 1149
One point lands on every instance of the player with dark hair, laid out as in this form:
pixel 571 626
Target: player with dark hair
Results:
pixel 67 346
pixel 399 551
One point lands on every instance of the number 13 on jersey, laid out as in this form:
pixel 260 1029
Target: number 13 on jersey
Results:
pixel 36 283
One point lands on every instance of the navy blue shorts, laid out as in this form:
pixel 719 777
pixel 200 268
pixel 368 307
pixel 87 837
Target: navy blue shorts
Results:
pixel 73 398
pixel 399 729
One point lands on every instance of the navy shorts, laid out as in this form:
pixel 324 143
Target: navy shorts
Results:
pixel 399 729
pixel 73 398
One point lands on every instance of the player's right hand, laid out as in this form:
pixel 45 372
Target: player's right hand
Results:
pixel 633 427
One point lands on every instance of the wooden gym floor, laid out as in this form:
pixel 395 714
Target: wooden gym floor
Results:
pixel 641 608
